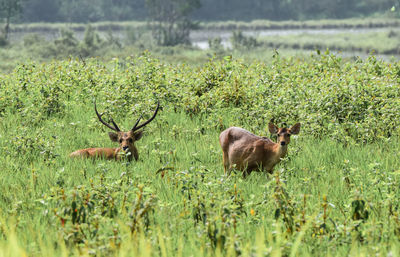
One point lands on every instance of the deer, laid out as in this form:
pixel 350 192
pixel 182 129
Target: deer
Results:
pixel 126 140
pixel 248 152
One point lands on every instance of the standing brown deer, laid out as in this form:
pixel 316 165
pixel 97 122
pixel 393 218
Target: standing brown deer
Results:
pixel 249 152
pixel 126 141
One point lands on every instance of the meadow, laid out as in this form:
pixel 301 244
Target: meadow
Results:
pixel 335 194
pixel 352 41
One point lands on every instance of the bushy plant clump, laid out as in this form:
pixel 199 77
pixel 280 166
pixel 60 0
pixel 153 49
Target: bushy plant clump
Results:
pixel 349 101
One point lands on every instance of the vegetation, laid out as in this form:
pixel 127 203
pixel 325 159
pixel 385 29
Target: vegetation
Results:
pixel 170 20
pixel 353 23
pixel 239 41
pixel 221 25
pixel 335 193
pixel 379 42
pixel 84 11
pixel 8 9
pixel 44 42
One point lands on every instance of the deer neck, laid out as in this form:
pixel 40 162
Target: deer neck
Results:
pixel 280 150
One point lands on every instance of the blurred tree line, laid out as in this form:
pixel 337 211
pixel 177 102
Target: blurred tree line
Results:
pixel 172 20
pixel 210 10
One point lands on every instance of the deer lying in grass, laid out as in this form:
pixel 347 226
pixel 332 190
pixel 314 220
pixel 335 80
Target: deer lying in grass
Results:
pixel 126 141
pixel 248 152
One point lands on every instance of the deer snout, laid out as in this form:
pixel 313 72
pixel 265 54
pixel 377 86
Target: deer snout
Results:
pixel 283 143
pixel 125 148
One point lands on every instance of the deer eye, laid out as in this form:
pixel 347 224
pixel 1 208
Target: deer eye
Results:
pixel 120 140
pixel 130 140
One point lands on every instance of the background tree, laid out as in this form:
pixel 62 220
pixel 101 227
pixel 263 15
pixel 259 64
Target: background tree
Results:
pixel 9 9
pixel 174 13
pixel 41 10
pixel 170 21
pixel 82 11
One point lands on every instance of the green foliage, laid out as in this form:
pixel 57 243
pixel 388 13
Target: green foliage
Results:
pixel 239 41
pixel 91 42
pixel 66 42
pixel 378 42
pixel 361 106
pixel 3 39
pixel 84 11
pixel 8 10
pixel 84 216
pixel 171 23
pixel 33 39
pixel 139 38
pixel 215 45
pixel 336 191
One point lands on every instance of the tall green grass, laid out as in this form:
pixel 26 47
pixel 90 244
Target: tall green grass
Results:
pixel 193 197
pixel 333 194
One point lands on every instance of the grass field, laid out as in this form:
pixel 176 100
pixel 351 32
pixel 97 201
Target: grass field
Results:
pixel 231 25
pixel 378 42
pixel 194 205
pixel 336 193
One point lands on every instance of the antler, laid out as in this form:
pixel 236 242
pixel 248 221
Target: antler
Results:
pixel 135 127
pixel 105 123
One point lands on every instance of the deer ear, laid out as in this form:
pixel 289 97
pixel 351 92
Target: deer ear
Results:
pixel 295 129
pixel 272 128
pixel 138 135
pixel 113 136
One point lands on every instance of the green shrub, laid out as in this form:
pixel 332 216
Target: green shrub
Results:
pixel 239 41
pixel 33 39
pixel 352 102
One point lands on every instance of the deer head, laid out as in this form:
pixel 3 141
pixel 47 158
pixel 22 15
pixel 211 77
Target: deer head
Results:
pixel 127 139
pixel 284 133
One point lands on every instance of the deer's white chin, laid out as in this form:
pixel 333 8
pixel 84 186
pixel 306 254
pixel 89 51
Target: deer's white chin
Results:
pixel 125 152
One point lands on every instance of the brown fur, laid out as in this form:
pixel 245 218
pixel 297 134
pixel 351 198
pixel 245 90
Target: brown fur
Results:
pixel 247 152
pixel 126 140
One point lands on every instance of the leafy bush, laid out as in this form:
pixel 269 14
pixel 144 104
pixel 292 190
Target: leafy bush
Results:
pixel 239 40
pixel 66 43
pixel 91 42
pixel 352 102
pixel 215 44
pixel 33 39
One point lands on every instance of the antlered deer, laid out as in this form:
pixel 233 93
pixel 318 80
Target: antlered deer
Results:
pixel 250 152
pixel 126 141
